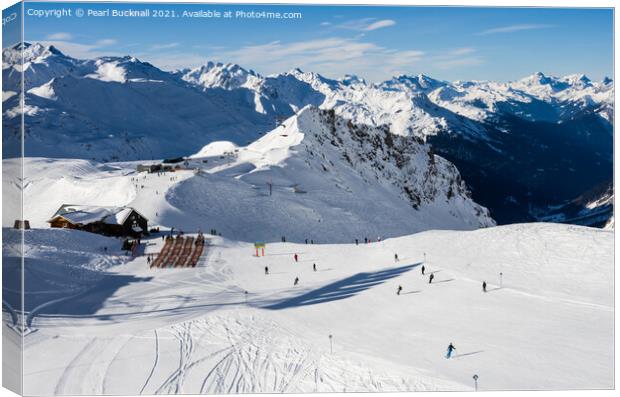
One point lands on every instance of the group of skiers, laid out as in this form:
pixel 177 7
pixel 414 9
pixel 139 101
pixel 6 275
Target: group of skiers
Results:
pixel 431 277
pixel 451 348
pixel 310 241
pixel 296 259
pixel 137 185
pixel 357 241
pixel 367 240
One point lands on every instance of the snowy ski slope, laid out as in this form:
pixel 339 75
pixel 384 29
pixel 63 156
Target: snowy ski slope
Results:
pixel 139 330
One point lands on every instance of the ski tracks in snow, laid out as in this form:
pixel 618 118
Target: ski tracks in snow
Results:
pixel 87 372
pixel 154 363
pixel 259 357
pixel 174 382
pixel 230 352
pixel 241 353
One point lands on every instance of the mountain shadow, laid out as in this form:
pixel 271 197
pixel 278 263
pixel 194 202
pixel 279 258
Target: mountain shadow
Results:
pixel 342 289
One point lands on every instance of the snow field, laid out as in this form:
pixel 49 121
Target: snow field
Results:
pixel 194 330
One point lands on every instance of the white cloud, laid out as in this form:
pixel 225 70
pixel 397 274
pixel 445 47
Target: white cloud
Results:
pixel 60 36
pixel 333 57
pixel 105 43
pixel 462 51
pixel 75 50
pixel 366 24
pixel 164 46
pixel 513 28
pixel 174 61
pixel 459 62
pixel 380 24
pixel 459 57
pixel 82 51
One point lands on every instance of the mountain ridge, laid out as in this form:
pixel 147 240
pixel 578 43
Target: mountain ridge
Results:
pixel 491 131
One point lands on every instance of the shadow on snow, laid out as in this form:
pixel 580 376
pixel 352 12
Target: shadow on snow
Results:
pixel 342 289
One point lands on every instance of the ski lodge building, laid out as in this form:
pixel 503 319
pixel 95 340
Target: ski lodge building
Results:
pixel 109 221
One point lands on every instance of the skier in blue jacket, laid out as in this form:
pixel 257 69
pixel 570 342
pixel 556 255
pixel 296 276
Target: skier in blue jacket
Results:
pixel 451 348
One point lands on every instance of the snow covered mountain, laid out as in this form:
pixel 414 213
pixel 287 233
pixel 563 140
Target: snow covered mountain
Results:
pixel 592 208
pixel 521 145
pixel 114 108
pixel 316 177
pixel 515 143
pixel 40 65
pixel 420 105
pixel 320 177
pixel 534 98
pixel 218 75
pixel 411 105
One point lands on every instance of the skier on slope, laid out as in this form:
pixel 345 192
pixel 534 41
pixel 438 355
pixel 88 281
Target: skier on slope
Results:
pixel 395 257
pixel 423 269
pixel 400 288
pixel 451 348
pixel 314 267
pixel 484 286
pixel 296 281
pixel 430 278
pixel 295 257
pixel 266 270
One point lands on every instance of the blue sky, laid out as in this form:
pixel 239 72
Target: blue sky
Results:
pixel 451 43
